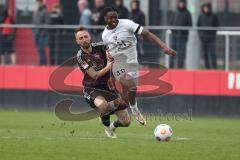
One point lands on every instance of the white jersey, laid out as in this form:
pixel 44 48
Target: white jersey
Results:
pixel 121 40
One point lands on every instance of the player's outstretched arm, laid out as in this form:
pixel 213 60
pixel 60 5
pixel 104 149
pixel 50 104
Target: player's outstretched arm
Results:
pixel 97 74
pixel 153 38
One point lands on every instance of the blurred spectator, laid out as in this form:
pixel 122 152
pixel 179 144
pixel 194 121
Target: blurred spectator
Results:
pixel 123 12
pixel 85 18
pixel 179 40
pixel 3 13
pixel 55 35
pixel 138 17
pixel 136 14
pixel 8 37
pixel 41 17
pixel 3 16
pixel 208 38
pixel 97 18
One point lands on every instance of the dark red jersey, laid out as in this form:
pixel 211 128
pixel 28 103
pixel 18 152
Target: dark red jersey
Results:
pixel 98 60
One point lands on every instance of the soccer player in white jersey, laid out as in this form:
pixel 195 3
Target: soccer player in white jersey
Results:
pixel 119 35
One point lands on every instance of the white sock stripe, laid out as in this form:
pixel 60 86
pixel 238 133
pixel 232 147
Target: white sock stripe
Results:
pixel 133 106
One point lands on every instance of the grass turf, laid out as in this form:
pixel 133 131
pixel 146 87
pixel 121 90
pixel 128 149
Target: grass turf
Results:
pixel 40 135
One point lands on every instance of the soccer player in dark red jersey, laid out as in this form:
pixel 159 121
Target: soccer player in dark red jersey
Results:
pixel 99 91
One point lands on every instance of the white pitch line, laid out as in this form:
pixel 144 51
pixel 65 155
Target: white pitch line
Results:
pixel 51 138
pixel 83 138
pixel 182 138
pixel 14 137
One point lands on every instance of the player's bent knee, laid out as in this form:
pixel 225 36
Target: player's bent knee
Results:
pixel 129 85
pixel 133 89
pixel 102 104
pixel 126 121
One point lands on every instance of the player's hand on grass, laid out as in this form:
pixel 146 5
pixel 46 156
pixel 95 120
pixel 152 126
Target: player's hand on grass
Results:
pixel 169 51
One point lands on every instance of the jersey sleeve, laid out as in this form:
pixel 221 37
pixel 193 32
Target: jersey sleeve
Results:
pixel 104 35
pixel 82 63
pixel 134 27
pixel 104 49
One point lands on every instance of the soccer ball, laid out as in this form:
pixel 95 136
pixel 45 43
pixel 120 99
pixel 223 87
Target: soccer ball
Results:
pixel 163 132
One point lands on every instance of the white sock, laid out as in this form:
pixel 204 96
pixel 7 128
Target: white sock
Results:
pixel 134 107
pixel 111 126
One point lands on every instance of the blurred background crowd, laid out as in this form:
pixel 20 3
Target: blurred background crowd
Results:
pixel 43 30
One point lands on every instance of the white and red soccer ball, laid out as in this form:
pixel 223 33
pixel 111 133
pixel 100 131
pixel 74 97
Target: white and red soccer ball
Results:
pixel 163 132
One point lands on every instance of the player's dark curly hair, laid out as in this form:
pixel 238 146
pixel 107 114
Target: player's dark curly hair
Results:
pixel 109 9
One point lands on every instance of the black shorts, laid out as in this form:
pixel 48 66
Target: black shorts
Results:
pixel 91 93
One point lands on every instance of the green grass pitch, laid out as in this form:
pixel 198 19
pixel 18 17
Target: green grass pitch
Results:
pixel 40 135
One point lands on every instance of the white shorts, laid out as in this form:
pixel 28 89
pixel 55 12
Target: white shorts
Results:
pixel 121 67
